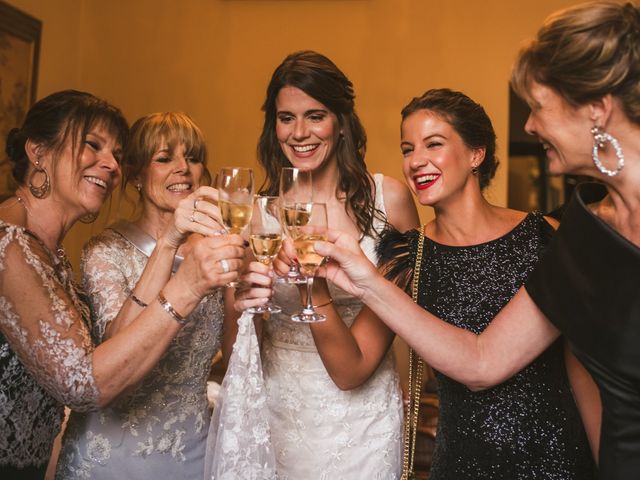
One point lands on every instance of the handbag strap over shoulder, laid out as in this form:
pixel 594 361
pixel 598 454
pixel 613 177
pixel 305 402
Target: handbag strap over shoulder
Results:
pixel 416 374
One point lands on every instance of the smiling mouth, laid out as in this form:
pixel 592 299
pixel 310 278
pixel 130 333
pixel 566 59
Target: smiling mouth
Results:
pixel 304 148
pixel 179 187
pixel 425 181
pixel 97 181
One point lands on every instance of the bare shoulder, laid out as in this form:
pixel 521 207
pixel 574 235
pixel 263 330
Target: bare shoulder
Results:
pixel 552 221
pixel 399 204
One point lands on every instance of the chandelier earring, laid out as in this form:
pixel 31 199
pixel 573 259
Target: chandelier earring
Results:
pixel 39 191
pixel 600 137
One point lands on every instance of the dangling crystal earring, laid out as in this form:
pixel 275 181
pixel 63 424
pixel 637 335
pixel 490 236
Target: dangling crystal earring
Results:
pixel 599 139
pixel 139 187
pixel 474 169
pixel 42 190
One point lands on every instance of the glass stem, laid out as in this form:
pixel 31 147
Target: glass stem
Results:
pixel 309 306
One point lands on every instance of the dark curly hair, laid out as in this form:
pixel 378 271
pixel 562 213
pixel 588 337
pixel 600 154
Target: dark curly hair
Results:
pixel 469 120
pixel 322 80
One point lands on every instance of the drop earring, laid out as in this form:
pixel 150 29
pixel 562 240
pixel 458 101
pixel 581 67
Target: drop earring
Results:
pixel 39 191
pixel 599 139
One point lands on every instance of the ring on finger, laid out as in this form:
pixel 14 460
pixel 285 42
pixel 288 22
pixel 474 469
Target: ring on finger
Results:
pixel 225 265
pixel 192 218
pixel 195 204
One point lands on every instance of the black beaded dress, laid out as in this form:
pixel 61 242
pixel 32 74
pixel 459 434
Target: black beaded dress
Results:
pixel 527 428
pixel 588 285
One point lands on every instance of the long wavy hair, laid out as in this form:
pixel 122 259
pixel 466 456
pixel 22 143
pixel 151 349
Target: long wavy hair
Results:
pixel 322 80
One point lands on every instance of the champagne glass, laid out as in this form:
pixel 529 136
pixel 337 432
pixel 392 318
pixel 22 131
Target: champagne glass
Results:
pixel 296 195
pixel 235 199
pixel 304 238
pixel 235 194
pixel 265 238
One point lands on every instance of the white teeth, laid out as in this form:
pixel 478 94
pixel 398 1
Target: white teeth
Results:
pixel 179 187
pixel 97 181
pixel 304 148
pixel 426 178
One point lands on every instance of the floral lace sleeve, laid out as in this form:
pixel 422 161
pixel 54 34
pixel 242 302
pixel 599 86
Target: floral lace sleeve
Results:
pixel 104 279
pixel 43 319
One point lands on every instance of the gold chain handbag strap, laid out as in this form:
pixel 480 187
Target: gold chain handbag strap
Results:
pixel 416 373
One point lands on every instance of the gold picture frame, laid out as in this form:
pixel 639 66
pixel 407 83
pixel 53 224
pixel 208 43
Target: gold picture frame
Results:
pixel 20 36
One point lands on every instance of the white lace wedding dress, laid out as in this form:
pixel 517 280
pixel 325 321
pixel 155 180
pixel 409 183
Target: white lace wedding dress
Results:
pixel 158 430
pixel 317 431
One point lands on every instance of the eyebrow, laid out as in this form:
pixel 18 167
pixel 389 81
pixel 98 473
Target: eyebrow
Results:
pixel 307 112
pixel 428 137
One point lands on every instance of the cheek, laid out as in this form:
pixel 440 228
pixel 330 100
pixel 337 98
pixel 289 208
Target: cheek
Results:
pixel 197 171
pixel 282 132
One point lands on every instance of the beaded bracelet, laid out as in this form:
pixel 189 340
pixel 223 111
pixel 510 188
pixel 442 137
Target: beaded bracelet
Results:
pixel 137 301
pixel 164 303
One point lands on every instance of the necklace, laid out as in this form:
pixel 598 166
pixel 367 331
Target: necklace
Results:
pixel 59 251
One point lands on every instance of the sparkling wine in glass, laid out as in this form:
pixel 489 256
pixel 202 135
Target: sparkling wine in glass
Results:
pixel 235 190
pixel 265 238
pixel 296 195
pixel 235 199
pixel 304 238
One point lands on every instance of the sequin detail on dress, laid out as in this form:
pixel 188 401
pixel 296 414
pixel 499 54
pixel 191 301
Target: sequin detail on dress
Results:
pixel 527 428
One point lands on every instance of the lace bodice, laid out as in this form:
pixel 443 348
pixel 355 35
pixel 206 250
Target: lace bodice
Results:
pixel 45 347
pixel 169 408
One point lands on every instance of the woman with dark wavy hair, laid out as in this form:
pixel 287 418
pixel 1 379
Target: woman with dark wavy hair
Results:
pixel 328 419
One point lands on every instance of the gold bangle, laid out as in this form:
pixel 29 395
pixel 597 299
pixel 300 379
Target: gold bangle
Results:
pixel 167 307
pixel 137 301
pixel 324 304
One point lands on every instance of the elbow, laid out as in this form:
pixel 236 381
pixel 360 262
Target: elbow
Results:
pixel 482 377
pixel 345 383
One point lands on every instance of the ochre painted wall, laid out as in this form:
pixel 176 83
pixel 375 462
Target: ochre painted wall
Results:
pixel 213 59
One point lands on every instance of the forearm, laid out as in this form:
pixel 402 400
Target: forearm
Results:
pixel 155 275
pixel 514 339
pixel 128 356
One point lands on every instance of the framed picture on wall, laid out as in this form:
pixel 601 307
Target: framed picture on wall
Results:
pixel 19 52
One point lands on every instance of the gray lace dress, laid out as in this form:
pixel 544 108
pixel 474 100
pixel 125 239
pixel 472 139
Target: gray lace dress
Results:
pixel 45 351
pixel 158 430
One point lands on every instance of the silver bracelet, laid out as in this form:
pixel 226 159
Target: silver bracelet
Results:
pixel 164 303
pixel 137 301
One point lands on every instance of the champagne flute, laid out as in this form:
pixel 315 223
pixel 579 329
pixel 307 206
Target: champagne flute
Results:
pixel 235 190
pixel 235 199
pixel 265 238
pixel 304 238
pixel 296 195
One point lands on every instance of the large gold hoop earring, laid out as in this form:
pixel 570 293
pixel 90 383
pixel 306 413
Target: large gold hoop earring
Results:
pixel 39 191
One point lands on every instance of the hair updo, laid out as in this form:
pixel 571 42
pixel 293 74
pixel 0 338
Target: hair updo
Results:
pixel 585 52
pixel 57 117
pixel 467 118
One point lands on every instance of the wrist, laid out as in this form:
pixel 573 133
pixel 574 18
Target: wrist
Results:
pixel 166 243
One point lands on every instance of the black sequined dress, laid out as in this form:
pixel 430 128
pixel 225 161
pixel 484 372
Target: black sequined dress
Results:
pixel 527 428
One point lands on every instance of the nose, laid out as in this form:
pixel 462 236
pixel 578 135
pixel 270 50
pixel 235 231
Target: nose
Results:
pixel 529 126
pixel 299 130
pixel 418 160
pixel 182 164
pixel 110 162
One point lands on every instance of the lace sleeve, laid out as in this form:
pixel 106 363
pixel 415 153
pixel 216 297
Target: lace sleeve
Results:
pixel 396 253
pixel 104 282
pixel 41 317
